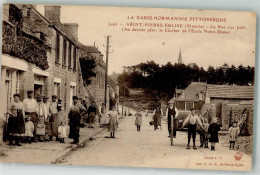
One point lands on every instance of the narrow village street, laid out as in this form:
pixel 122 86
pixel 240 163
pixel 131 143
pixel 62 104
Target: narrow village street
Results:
pixel 149 148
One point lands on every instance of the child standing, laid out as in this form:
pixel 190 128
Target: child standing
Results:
pixel 29 128
pixel 62 130
pixel 206 129
pixel 233 133
pixel 113 121
pixel 213 130
pixel 138 119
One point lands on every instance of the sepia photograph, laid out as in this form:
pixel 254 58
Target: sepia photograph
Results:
pixel 127 87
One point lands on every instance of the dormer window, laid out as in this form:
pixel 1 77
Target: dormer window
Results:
pixel 201 96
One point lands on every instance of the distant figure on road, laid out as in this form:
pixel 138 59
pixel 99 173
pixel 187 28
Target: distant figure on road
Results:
pixel 92 112
pixel 138 119
pixel 125 112
pixel 103 119
pixel 113 121
pixel 157 115
pixel 146 112
pixel 214 128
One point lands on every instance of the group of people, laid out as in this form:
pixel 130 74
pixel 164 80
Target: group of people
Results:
pixel 34 120
pixel 38 120
pixel 208 131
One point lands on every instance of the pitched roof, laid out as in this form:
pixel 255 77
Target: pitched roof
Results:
pixel 230 92
pixel 179 91
pixel 89 49
pixel 111 82
pixel 192 91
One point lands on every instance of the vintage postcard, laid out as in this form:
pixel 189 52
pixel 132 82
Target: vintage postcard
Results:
pixel 130 87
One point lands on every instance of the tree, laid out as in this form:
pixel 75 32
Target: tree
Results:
pixel 87 69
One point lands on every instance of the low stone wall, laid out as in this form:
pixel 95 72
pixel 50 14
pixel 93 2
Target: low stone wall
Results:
pixel 236 111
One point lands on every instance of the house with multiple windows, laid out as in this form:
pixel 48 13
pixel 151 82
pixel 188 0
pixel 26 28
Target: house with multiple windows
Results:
pixel 96 88
pixel 39 53
pixel 191 97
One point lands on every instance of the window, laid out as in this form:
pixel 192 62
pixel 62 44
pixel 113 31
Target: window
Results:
pixel 74 58
pixel 72 93
pixel 57 48
pixel 17 82
pixel 69 56
pixel 64 52
pixel 201 96
pixel 189 105
pixel 57 90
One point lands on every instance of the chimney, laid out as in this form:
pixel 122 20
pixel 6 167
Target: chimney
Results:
pixel 72 28
pixel 52 13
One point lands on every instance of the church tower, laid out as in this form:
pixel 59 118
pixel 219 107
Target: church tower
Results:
pixel 180 58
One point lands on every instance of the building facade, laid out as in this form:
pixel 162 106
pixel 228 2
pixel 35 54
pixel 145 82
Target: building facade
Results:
pixel 39 54
pixel 96 88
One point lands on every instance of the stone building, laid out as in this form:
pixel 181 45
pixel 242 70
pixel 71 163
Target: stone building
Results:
pixel 38 53
pixel 227 103
pixel 191 97
pixel 112 93
pixel 97 86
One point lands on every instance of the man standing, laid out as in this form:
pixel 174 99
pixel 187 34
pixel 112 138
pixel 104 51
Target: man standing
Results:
pixel 42 116
pixel 75 113
pixel 30 108
pixel 171 114
pixel 92 111
pixel 192 120
pixel 47 121
pixel 54 119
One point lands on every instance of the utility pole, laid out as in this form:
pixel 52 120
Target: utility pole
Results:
pixel 107 53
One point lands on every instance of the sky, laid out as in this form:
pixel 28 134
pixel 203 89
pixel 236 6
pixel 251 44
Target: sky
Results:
pixel 131 48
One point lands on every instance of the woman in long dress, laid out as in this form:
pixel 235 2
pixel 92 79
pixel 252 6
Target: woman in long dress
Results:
pixel 138 119
pixel 103 119
pixel 16 126
pixel 113 122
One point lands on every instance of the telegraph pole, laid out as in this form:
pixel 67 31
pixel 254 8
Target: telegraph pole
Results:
pixel 107 53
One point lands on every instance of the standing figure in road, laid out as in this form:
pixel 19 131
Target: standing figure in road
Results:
pixel 103 119
pixel 62 129
pixel 125 112
pixel 206 130
pixel 92 111
pixel 146 112
pixel 214 128
pixel 54 119
pixel 16 123
pixel 42 116
pixel 192 120
pixel 172 113
pixel 75 113
pixel 30 108
pixel 113 122
pixel 138 119
pixel 47 121
pixel 233 133
pixel 157 115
